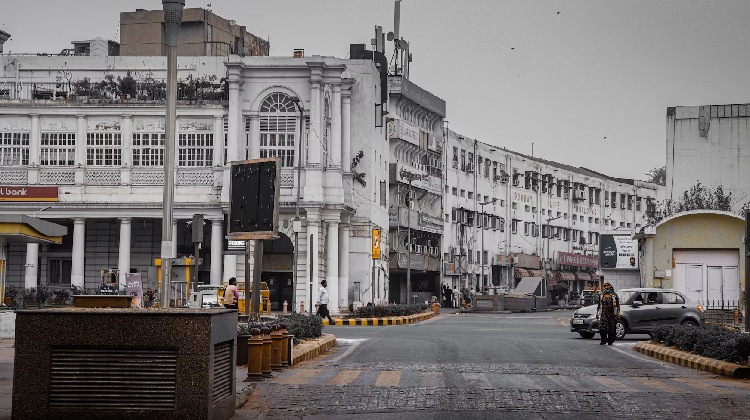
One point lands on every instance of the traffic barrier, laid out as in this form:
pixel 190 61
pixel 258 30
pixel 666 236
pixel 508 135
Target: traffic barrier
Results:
pixel 254 356
pixel 284 345
pixel 276 339
pixel 266 365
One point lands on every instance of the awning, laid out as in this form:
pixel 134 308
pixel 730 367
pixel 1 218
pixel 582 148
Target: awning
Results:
pixel 564 276
pixel 581 275
pixel 527 286
pixel 20 228
pixel 520 273
pixel 535 273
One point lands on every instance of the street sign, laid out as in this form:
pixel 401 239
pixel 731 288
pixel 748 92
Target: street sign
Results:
pixel 254 199
pixel 376 244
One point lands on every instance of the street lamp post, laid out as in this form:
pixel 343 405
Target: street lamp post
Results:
pixel 297 225
pixel 172 20
pixel 482 260
pixel 546 263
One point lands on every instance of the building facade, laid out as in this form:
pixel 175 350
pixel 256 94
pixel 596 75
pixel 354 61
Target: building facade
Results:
pixel 510 216
pixel 706 143
pixel 415 133
pixel 92 160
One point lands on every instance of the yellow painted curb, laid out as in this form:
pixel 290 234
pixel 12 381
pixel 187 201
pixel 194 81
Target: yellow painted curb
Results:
pixel 309 349
pixel 397 320
pixel 693 361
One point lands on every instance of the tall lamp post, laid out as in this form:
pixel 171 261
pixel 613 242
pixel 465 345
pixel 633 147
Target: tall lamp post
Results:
pixel 297 225
pixel 546 262
pixel 172 20
pixel 482 260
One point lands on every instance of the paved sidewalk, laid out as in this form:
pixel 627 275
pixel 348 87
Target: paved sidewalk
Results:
pixel 7 354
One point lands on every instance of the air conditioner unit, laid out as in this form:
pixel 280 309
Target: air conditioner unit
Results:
pixel 622 205
pixel 515 260
pixel 566 195
pixel 578 195
pixel 470 167
pixel 534 187
pixel 502 178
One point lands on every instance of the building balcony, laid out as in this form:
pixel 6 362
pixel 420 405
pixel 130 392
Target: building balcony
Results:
pixel 404 218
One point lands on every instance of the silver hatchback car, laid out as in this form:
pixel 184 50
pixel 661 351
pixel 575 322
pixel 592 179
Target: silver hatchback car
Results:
pixel 640 310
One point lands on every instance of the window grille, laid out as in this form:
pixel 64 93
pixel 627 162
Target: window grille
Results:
pixel 195 149
pixel 58 149
pixel 148 149
pixel 278 128
pixel 103 149
pixel 14 149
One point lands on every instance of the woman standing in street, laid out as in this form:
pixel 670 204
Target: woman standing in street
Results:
pixel 608 313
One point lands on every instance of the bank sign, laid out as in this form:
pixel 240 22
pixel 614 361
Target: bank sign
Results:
pixel 25 193
pixel 618 251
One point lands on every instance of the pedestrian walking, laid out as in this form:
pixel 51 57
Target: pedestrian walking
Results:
pixel 448 296
pixel 323 302
pixel 608 313
pixel 231 294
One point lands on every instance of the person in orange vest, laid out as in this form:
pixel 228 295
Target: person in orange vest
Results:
pixel 231 294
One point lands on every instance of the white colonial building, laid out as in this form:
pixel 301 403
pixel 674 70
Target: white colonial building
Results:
pixel 84 136
pixel 506 214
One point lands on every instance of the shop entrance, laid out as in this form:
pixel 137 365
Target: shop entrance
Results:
pixel 278 263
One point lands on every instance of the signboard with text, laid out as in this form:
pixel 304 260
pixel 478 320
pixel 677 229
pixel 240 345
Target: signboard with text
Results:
pixel 618 252
pixel 26 193
pixel 578 260
pixel 134 288
pixel 376 244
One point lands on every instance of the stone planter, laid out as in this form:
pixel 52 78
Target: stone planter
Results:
pixel 102 301
pixel 165 363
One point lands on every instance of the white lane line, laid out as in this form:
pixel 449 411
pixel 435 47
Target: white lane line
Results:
pixel 352 343
pixel 627 349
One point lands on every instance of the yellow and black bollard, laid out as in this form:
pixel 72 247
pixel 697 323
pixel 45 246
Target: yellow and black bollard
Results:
pixel 254 356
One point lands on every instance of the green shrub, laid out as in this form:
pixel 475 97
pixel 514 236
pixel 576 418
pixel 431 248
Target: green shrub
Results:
pixel 302 326
pixel 708 341
pixel 375 311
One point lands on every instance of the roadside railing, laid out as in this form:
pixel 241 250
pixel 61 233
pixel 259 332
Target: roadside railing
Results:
pixel 723 312
pixel 154 90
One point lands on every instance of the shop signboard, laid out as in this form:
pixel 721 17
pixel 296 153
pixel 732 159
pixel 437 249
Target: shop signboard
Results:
pixel 134 288
pixel 26 193
pixel 578 260
pixel 618 252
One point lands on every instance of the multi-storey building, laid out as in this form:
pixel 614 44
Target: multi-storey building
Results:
pixel 509 216
pixel 415 132
pixel 66 126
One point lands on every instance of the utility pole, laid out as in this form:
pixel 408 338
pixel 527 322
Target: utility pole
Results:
pixel 172 21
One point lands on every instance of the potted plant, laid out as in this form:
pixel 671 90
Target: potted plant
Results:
pixel 29 297
pixel 82 88
pixel 10 295
pixel 42 295
pixel 126 86
pixel 61 296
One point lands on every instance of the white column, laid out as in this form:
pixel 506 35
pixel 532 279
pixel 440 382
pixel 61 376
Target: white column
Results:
pixel 80 149
pixel 230 267
pixel 235 119
pixel 254 141
pixel 346 102
pixel 332 264
pixel 123 262
pixel 77 271
pixel 218 141
pixel 217 241
pixel 316 133
pixel 34 149
pixel 343 251
pixel 313 265
pixel 335 151
pixel 32 266
pixel 127 140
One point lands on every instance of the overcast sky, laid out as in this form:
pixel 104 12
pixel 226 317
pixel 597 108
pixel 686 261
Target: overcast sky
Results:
pixel 586 81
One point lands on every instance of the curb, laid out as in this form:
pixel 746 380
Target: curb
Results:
pixel 693 361
pixel 396 320
pixel 310 349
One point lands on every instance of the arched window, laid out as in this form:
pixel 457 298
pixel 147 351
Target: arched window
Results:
pixel 278 128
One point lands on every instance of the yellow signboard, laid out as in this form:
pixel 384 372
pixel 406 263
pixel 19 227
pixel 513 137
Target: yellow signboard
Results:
pixel 376 244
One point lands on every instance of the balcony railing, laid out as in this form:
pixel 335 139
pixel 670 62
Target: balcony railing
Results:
pixel 152 91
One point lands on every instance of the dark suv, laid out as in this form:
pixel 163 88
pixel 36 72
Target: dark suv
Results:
pixel 640 310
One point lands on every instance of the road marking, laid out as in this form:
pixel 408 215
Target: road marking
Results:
pixel 345 377
pixel 351 343
pixel 388 378
pixel 301 377
pixel 432 379
pixel 613 383
pixel 707 387
pixel 565 382
pixel 627 349
pixel 477 380
pixel 659 384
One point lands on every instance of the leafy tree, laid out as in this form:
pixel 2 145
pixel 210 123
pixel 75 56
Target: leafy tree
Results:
pixel 658 175
pixel 698 197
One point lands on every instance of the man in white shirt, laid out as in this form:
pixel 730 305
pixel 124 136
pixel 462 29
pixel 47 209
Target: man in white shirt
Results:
pixel 323 302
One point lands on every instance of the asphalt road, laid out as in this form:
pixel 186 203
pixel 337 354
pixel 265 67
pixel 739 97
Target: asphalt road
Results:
pixel 487 367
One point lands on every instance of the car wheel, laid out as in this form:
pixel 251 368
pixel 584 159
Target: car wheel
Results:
pixel 620 330
pixel 690 322
pixel 587 335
